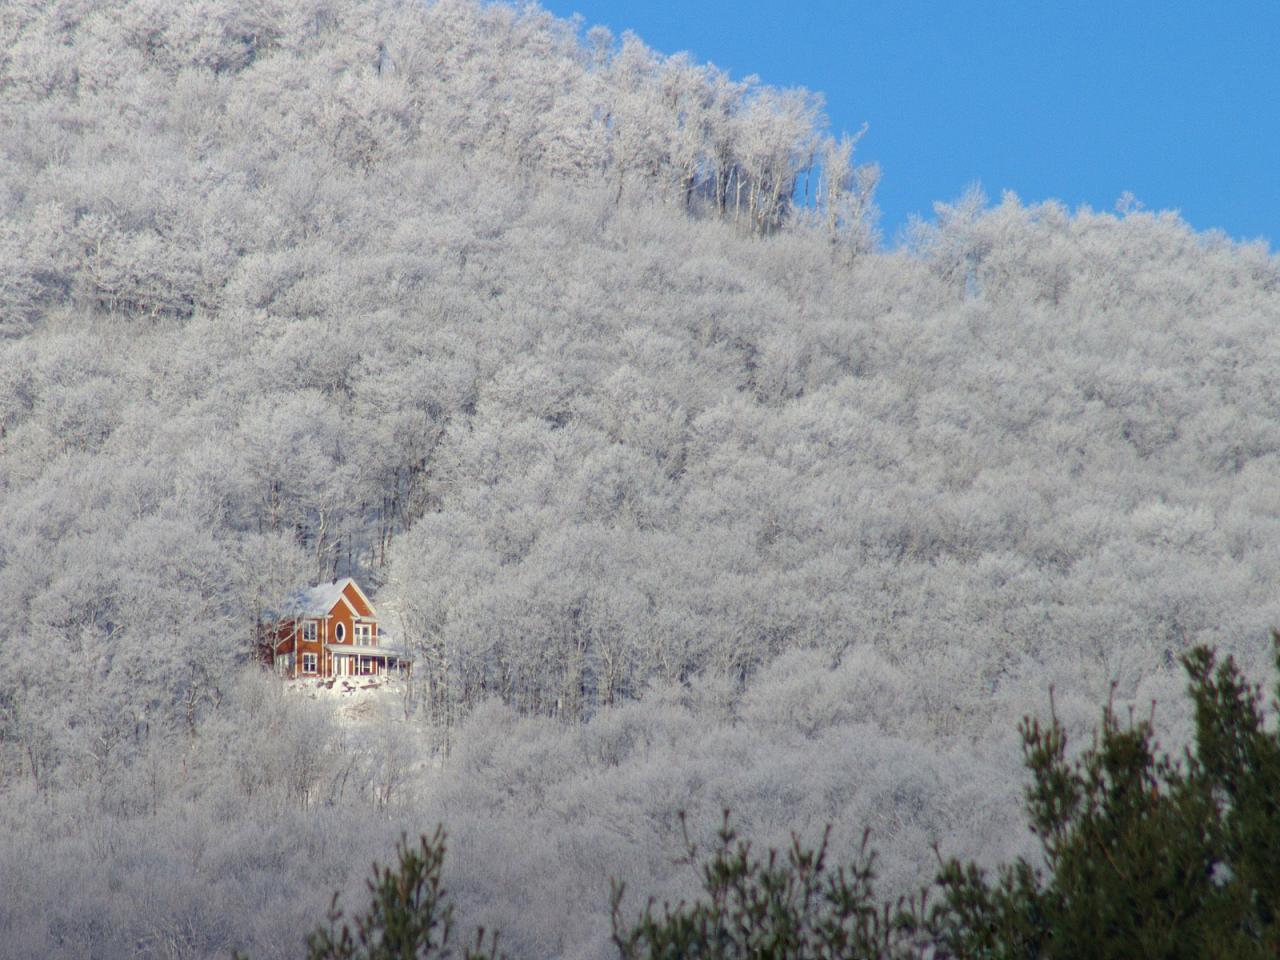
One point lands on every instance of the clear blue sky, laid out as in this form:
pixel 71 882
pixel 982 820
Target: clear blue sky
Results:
pixel 1176 101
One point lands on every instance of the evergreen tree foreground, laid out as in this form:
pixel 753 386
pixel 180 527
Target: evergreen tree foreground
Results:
pixel 1144 855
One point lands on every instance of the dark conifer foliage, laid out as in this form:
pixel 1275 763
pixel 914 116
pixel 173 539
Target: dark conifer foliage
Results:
pixel 779 906
pixel 409 915
pixel 1144 855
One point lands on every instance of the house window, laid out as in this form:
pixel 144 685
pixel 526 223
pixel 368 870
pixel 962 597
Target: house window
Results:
pixel 364 634
pixel 309 631
pixel 341 633
pixel 308 663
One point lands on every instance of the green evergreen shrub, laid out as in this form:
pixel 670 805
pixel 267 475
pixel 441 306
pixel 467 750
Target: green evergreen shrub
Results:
pixel 409 915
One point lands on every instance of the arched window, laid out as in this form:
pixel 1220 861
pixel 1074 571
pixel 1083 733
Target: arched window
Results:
pixel 341 632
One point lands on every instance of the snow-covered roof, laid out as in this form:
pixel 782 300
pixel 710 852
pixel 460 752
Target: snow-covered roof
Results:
pixel 320 599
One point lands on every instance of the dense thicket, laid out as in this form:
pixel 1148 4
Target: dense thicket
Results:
pixel 528 331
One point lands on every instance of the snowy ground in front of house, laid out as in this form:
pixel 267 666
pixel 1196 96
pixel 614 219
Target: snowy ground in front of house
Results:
pixel 357 701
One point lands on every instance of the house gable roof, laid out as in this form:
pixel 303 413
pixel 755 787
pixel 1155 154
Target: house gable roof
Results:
pixel 356 599
pixel 320 600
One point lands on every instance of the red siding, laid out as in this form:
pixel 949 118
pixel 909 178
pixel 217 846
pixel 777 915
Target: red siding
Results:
pixel 285 637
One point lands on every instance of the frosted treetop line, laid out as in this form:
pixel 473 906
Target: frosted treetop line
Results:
pixel 679 494
pixel 1083 102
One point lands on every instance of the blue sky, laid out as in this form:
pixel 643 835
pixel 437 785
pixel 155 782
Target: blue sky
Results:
pixel 1177 102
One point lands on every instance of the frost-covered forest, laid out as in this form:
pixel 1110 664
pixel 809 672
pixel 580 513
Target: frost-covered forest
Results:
pixel 683 489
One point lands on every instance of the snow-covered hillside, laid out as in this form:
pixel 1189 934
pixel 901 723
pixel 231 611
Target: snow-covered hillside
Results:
pixel 683 495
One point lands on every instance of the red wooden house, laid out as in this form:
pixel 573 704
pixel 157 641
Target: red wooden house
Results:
pixel 330 630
